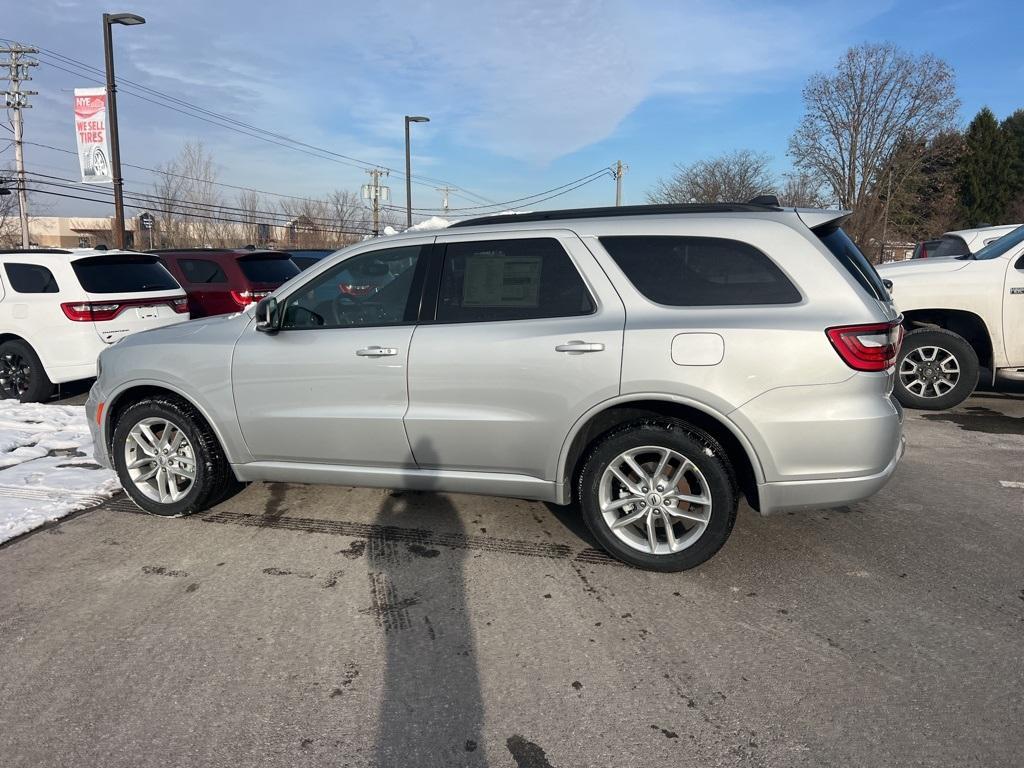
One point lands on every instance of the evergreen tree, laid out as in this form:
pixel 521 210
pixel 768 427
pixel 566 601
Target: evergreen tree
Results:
pixel 985 174
pixel 1013 133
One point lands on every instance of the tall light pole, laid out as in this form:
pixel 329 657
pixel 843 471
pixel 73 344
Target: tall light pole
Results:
pixel 129 20
pixel 408 166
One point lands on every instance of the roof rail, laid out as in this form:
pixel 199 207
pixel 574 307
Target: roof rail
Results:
pixel 758 205
pixel 34 250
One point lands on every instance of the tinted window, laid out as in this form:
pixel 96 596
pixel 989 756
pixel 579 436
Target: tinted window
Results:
pixel 123 273
pixel 375 288
pixel 700 271
pixel 30 278
pixel 268 269
pixel 202 271
pixel 853 261
pixel 949 245
pixel 510 280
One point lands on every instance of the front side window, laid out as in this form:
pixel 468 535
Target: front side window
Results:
pixel 202 271
pixel 519 279
pixel 949 245
pixel 699 271
pixel 31 278
pixel 370 289
pixel 1005 243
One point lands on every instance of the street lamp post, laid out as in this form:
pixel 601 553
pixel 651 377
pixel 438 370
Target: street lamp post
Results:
pixel 408 166
pixel 109 19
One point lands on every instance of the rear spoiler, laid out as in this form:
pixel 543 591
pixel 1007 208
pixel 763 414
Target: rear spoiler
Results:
pixel 819 218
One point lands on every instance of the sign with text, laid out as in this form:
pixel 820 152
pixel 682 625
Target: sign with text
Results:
pixel 91 132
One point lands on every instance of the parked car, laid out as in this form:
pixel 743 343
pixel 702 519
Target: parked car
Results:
pixel 960 314
pixel 651 363
pixel 223 281
pixel 305 258
pixel 59 308
pixel 962 243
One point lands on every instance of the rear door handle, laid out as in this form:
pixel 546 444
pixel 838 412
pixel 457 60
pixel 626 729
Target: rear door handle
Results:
pixel 579 347
pixel 377 352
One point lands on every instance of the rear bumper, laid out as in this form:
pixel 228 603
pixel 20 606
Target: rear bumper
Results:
pixel 822 494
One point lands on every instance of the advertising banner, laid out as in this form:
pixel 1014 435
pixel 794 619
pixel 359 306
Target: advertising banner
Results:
pixel 91 131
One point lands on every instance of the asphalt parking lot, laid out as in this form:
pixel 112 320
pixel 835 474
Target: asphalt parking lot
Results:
pixel 299 626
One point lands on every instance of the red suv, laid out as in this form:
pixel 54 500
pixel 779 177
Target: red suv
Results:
pixel 222 281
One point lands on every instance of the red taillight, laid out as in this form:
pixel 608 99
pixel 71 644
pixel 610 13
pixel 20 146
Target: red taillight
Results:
pixel 97 311
pixel 245 298
pixel 868 347
pixel 89 311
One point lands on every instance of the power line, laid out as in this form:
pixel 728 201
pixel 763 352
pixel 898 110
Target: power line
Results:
pixel 235 124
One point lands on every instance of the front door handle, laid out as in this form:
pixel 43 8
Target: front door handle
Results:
pixel 579 347
pixel 377 352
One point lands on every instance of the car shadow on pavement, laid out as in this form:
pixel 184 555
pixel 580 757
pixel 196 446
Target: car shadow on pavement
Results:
pixel 431 710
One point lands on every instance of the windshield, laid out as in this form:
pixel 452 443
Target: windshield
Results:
pixel 1002 245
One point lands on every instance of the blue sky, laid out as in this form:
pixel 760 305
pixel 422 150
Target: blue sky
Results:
pixel 523 95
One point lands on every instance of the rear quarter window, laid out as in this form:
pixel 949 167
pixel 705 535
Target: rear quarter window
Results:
pixel 202 271
pixel 683 271
pixel 30 278
pixel 268 269
pixel 123 273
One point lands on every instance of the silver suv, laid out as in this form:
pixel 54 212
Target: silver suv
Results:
pixel 649 363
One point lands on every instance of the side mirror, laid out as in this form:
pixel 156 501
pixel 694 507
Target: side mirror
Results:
pixel 888 284
pixel 268 319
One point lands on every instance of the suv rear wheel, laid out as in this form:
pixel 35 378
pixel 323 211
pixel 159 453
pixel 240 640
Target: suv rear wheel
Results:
pixel 168 459
pixel 22 375
pixel 936 369
pixel 658 495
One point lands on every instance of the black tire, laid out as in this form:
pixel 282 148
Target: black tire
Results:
pixel 702 450
pixel 923 380
pixel 22 375
pixel 214 480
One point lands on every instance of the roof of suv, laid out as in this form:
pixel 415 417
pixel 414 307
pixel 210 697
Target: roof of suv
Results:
pixel 219 252
pixel 67 254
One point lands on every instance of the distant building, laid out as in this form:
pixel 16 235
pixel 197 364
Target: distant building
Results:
pixel 81 231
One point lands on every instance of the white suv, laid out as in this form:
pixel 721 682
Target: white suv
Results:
pixel 60 308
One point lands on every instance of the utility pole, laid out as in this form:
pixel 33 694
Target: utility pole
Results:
pixel 617 171
pixel 17 100
pixel 444 196
pixel 374 192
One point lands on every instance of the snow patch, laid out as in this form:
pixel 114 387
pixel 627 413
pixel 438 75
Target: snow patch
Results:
pixel 46 466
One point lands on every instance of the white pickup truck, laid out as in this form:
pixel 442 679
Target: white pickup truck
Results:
pixel 961 314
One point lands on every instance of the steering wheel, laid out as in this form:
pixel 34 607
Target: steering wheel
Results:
pixel 348 310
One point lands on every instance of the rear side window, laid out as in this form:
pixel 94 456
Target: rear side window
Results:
pixel 268 269
pixel 30 278
pixel 700 271
pixel 510 280
pixel 853 261
pixel 949 245
pixel 123 273
pixel 202 271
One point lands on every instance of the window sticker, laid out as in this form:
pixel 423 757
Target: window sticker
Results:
pixel 501 281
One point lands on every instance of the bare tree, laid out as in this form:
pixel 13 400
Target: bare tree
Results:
pixel 189 207
pixel 801 189
pixel 877 99
pixel 733 177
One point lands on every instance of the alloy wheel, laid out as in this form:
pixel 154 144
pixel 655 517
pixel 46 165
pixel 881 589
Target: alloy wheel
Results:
pixel 160 460
pixel 929 371
pixel 15 374
pixel 655 500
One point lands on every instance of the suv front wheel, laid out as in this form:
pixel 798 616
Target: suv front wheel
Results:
pixel 168 459
pixel 658 495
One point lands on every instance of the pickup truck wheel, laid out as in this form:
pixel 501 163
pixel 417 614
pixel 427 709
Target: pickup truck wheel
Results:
pixel 936 369
pixel 22 375
pixel 168 459
pixel 658 495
